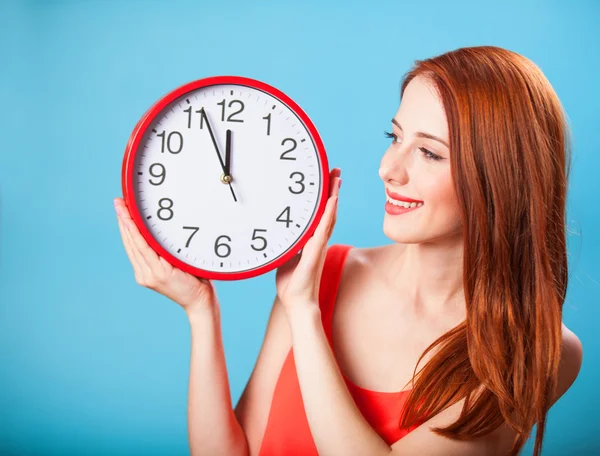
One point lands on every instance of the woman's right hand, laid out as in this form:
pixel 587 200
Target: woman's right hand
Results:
pixel 154 272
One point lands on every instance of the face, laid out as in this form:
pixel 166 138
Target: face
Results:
pixel 418 167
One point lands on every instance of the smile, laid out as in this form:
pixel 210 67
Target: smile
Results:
pixel 405 204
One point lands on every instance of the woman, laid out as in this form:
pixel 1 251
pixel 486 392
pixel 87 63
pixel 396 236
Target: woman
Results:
pixel 470 292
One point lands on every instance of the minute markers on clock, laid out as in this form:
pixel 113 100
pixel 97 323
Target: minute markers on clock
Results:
pixel 298 136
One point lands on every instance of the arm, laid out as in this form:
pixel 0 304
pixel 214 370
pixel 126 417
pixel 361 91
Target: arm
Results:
pixel 212 429
pixel 338 427
pixel 212 426
pixel 239 432
pixel 254 405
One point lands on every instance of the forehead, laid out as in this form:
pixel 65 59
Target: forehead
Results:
pixel 421 109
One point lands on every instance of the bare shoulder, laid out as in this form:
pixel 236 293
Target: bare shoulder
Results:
pixel 570 361
pixel 498 442
pixel 359 266
pixel 365 256
pixel 367 259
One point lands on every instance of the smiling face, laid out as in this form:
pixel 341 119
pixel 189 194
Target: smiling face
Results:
pixel 417 167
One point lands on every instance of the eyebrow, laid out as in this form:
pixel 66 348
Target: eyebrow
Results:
pixel 423 135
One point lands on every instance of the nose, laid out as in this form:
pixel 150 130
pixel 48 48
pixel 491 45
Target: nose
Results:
pixel 393 168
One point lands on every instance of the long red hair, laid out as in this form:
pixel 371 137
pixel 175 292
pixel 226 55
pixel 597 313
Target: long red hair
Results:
pixel 510 158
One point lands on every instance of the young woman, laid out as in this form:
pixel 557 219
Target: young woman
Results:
pixel 465 306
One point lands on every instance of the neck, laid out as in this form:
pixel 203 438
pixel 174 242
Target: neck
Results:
pixel 429 275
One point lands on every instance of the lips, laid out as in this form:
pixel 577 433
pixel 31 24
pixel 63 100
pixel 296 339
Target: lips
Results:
pixel 398 197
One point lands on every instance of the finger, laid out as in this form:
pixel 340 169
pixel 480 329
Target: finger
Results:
pixel 138 271
pixel 143 269
pixel 330 213
pixel 143 272
pixel 146 252
pixel 145 266
pixel 325 228
pixel 315 248
pixel 333 175
pixel 336 186
pixel 125 239
pixel 332 224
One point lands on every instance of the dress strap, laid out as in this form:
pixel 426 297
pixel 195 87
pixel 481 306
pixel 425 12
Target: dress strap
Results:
pixel 330 281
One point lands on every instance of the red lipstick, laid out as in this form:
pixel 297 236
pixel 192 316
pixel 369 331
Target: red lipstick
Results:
pixel 397 196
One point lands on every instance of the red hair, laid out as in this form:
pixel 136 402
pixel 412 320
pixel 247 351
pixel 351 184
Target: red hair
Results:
pixel 510 158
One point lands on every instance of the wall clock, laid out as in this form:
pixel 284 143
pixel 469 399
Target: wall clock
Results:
pixel 226 177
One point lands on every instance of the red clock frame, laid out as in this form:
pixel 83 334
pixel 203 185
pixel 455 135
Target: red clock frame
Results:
pixel 147 119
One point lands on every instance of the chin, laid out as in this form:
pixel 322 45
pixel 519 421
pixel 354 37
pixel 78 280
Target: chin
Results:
pixel 412 234
pixel 403 236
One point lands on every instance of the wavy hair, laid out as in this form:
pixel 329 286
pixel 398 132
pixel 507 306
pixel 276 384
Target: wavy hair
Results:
pixel 510 158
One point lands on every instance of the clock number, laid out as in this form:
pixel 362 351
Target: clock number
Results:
pixel 287 221
pixel 283 157
pixel 195 228
pixel 217 246
pixel 168 141
pixel 298 182
pixel 268 119
pixel 162 174
pixel 199 111
pixel 165 208
pixel 229 118
pixel 254 236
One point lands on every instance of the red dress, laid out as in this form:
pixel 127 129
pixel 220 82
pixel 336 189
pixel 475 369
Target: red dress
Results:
pixel 287 432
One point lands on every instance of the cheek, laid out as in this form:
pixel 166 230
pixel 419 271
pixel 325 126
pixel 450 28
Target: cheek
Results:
pixel 439 193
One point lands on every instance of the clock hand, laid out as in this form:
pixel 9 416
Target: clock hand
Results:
pixel 226 178
pixel 214 141
pixel 228 154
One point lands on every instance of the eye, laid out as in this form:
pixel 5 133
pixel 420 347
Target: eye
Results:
pixel 390 135
pixel 430 155
pixel 427 153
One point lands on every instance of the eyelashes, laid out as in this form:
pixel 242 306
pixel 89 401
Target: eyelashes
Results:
pixel 427 153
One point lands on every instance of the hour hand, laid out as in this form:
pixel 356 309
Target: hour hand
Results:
pixel 228 154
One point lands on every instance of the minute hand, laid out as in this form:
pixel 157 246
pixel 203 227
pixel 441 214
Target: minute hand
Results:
pixel 214 141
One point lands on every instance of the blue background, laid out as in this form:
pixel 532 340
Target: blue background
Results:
pixel 90 362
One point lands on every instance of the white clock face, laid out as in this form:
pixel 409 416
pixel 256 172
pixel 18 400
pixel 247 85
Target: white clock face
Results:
pixel 275 187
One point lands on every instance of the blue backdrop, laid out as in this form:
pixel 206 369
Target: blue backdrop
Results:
pixel 90 362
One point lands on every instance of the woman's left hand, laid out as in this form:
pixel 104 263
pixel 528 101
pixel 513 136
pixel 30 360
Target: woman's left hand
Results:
pixel 298 280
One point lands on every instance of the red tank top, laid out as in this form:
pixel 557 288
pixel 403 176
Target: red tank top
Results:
pixel 287 432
